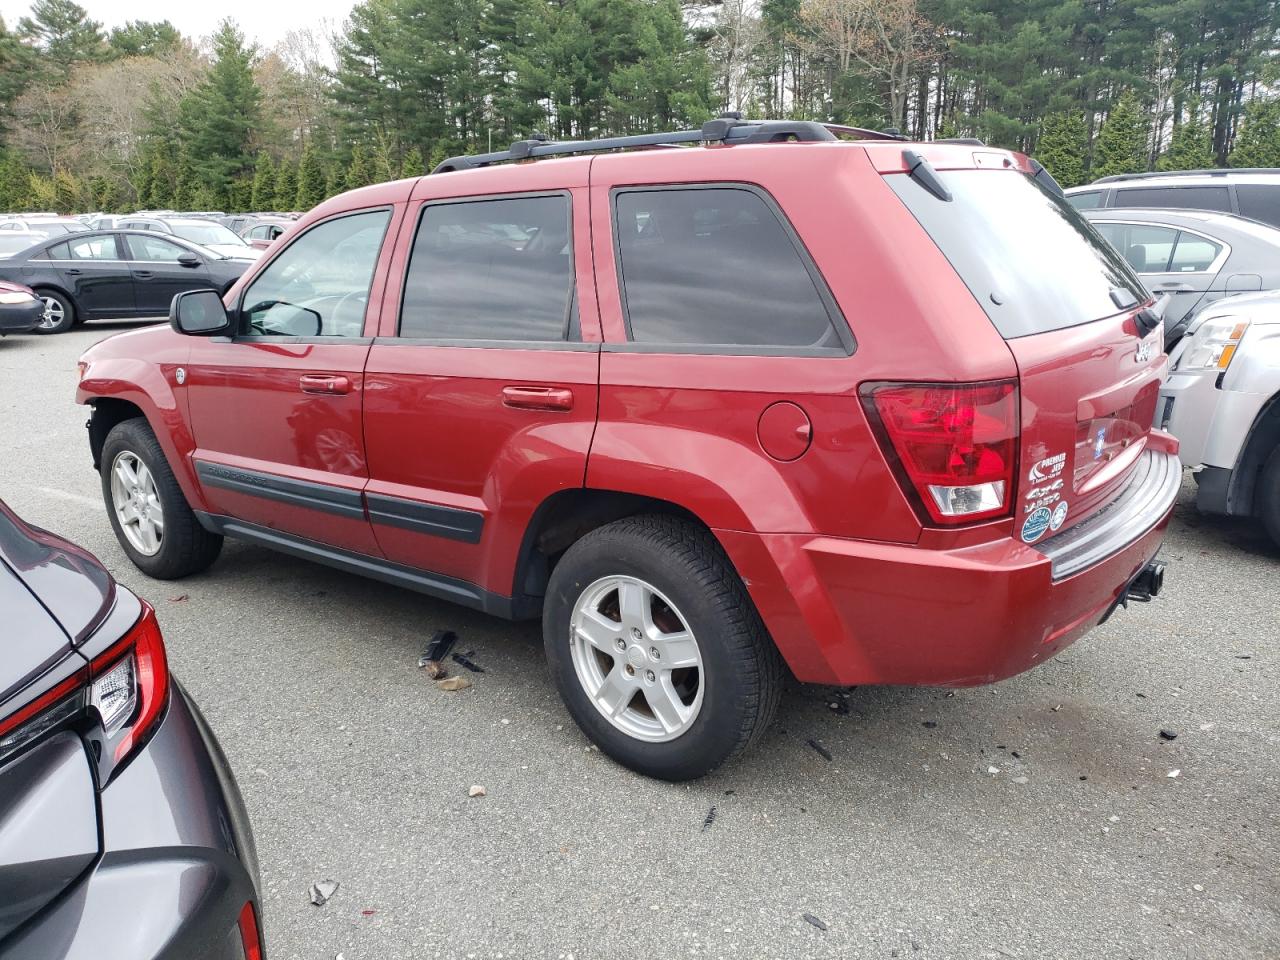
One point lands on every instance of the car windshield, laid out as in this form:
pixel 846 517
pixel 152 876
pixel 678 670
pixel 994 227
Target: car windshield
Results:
pixel 206 233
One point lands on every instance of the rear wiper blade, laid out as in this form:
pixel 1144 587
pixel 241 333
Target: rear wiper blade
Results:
pixel 922 172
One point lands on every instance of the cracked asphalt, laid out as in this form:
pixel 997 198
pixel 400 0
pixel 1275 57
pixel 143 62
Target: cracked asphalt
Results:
pixel 1036 818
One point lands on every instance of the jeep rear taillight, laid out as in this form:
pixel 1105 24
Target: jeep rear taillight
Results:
pixel 956 443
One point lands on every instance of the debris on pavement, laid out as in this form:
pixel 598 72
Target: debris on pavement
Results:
pixel 1173 774
pixel 477 791
pixel 993 769
pixel 826 754
pixel 322 890
pixel 464 659
pixel 709 819
pixel 1168 735
pixel 930 724
pixel 810 918
pixel 180 598
pixel 839 706
pixel 435 669
pixel 453 683
pixel 438 647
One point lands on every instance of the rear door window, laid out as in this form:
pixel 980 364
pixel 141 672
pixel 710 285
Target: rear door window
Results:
pixel 1085 201
pixel 1146 248
pixel 1193 254
pixel 716 268
pixel 93 248
pixel 1031 261
pixel 1190 197
pixel 499 269
pixel 1259 201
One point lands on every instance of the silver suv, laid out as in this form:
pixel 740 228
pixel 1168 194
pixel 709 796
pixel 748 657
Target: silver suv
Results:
pixel 1222 402
pixel 1252 193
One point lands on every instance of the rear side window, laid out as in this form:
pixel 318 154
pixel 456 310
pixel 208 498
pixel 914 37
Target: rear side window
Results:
pixel 1193 254
pixel 1183 198
pixel 491 270
pixel 1146 248
pixel 1085 201
pixel 1259 201
pixel 1031 261
pixel 715 267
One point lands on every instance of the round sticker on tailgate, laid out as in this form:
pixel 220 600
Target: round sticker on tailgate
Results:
pixel 1059 515
pixel 1034 526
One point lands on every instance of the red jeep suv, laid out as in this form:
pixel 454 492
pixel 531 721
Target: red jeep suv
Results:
pixel 715 404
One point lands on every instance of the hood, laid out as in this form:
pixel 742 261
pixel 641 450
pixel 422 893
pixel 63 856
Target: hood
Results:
pixel 67 581
pixel 1262 308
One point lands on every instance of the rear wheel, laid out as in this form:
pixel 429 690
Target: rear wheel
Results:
pixel 657 649
pixel 1268 496
pixel 59 312
pixel 149 514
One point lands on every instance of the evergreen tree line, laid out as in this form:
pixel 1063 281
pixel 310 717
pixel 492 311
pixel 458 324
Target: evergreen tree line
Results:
pixel 142 117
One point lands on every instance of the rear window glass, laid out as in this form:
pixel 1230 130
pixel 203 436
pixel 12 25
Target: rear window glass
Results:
pixel 1182 198
pixel 714 267
pixel 1030 260
pixel 1259 201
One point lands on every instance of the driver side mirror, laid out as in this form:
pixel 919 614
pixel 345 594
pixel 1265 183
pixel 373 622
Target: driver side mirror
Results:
pixel 199 313
pixel 188 259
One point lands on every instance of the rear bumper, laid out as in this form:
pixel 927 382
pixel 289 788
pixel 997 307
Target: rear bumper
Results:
pixel 854 612
pixel 178 862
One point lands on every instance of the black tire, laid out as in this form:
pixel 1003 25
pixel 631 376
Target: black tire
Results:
pixel 742 672
pixel 1268 496
pixel 185 546
pixel 68 312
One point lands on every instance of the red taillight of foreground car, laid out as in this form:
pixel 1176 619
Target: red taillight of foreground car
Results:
pixel 129 686
pixel 250 937
pixel 957 443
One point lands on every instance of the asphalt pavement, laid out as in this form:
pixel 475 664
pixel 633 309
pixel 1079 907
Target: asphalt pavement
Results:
pixel 1037 818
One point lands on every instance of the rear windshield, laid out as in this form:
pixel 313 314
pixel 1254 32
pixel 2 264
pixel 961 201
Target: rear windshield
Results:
pixel 1030 260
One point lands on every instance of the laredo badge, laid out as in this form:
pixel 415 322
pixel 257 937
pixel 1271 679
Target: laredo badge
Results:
pixel 1034 526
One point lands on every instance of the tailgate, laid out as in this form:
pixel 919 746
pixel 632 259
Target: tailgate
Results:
pixel 1088 401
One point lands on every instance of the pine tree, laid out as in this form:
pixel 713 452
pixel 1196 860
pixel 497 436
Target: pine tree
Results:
pixel 15 182
pixel 310 180
pixel 384 167
pixel 358 174
pixel 162 185
pixel 64 34
pixel 185 186
pixel 263 194
pixel 1122 142
pixel 1063 143
pixel 1258 142
pixel 413 164
pixel 286 186
pixel 333 179
pixel 1191 147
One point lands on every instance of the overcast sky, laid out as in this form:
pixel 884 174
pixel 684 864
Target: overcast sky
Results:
pixel 263 21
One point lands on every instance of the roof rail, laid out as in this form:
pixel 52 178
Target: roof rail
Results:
pixel 727 129
pixel 1211 172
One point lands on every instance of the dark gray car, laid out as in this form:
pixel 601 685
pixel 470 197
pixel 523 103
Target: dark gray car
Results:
pixel 1193 256
pixel 122 832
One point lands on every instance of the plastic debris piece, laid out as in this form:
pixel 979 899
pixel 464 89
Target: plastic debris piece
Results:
pixel 1057 708
pixel 180 598
pixel 453 683
pixel 322 890
pixel 1015 754
pixel 993 769
pixel 709 819
pixel 367 913
pixel 1173 774
pixel 930 724
pixel 823 751
pixel 477 791
pixel 811 919
pixel 464 660
pixel 1168 735
pixel 438 647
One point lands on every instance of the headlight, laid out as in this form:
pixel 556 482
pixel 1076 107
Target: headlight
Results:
pixel 1214 344
pixel 15 296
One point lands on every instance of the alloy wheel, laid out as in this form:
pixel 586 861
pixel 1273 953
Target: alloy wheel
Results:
pixel 636 658
pixel 53 314
pixel 136 501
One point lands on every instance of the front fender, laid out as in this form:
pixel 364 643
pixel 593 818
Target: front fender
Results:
pixel 150 386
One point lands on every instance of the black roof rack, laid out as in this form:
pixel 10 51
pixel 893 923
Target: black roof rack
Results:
pixel 1211 172
pixel 727 129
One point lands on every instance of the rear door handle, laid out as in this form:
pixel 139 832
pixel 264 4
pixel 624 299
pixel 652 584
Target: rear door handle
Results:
pixel 1175 287
pixel 324 384
pixel 537 398
pixel 144 274
pixel 73 271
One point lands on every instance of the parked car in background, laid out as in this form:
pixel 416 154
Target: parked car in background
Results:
pixel 649 397
pixel 1194 257
pixel 20 309
pixel 108 274
pixel 122 832
pixel 1247 193
pixel 262 233
pixel 50 226
pixel 1222 402
pixel 15 241
pixel 208 234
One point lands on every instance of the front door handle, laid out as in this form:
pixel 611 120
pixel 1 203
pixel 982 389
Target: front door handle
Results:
pixel 324 384
pixel 537 398
pixel 144 274
pixel 74 271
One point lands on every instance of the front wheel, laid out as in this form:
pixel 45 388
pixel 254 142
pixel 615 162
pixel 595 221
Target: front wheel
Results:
pixel 59 313
pixel 657 649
